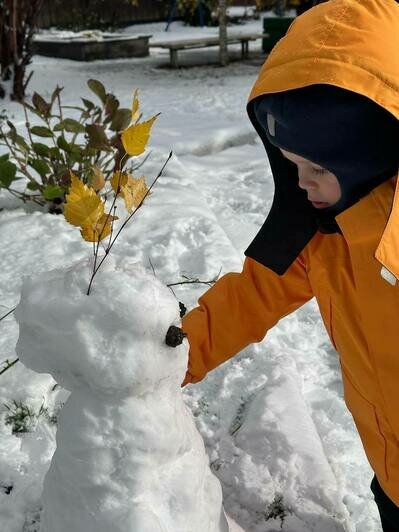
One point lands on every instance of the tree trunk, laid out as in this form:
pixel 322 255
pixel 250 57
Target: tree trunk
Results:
pixel 223 53
pixel 18 20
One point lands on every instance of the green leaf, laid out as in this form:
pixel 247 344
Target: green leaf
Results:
pixel 98 88
pixel 55 154
pixel 21 143
pixel 4 157
pixel 51 192
pixel 111 106
pixel 63 144
pixel 8 171
pixel 76 148
pixel 41 149
pixel 89 152
pixel 41 105
pixel 73 126
pixel 70 125
pixel 32 109
pixel 56 93
pixel 87 103
pixel 41 167
pixel 97 137
pixel 13 132
pixel 75 157
pixel 41 131
pixel 33 185
pixel 121 119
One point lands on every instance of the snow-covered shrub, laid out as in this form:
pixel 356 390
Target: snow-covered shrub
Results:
pixel 277 510
pixel 22 417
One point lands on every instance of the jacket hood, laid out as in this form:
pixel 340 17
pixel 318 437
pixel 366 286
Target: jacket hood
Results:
pixel 350 44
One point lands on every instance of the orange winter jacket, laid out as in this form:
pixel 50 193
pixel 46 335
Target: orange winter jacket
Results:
pixel 353 44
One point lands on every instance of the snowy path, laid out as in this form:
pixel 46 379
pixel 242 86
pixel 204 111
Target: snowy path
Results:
pixel 273 418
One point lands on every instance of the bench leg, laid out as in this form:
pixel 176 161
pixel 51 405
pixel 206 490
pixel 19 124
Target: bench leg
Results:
pixel 244 49
pixel 173 58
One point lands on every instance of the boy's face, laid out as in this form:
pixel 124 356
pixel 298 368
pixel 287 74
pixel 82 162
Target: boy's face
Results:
pixel 322 186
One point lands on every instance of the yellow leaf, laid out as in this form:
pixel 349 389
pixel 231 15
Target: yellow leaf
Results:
pixel 135 137
pixel 119 179
pixel 98 181
pixel 134 192
pixel 83 206
pixel 135 106
pixel 99 230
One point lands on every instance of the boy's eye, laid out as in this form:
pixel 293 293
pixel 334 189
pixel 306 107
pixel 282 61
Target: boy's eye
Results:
pixel 319 171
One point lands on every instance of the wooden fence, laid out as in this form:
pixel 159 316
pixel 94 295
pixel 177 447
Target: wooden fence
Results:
pixel 100 13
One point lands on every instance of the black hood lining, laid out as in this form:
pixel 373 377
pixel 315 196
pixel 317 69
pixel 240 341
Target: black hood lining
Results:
pixel 290 224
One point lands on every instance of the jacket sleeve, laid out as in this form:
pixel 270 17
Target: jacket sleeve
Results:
pixel 238 310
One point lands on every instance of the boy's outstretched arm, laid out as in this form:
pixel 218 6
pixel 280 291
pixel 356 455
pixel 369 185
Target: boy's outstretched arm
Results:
pixel 238 310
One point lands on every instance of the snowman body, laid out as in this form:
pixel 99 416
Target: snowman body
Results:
pixel 129 457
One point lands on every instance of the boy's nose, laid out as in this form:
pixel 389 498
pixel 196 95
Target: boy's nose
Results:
pixel 307 182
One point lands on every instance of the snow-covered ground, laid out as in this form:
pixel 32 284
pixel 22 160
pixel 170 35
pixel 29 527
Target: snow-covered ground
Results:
pixel 273 418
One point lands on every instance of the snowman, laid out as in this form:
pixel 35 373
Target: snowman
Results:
pixel 129 457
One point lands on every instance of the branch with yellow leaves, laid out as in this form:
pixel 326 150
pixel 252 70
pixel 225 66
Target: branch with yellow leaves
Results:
pixel 84 206
pixel 95 269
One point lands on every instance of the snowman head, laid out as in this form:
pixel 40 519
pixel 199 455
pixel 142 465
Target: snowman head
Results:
pixel 112 341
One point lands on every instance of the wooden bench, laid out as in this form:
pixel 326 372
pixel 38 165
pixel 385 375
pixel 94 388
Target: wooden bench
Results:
pixel 204 42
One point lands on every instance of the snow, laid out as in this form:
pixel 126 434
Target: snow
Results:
pixel 241 11
pixel 70 36
pixel 273 418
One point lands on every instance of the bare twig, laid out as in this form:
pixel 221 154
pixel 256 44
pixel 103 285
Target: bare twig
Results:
pixel 152 267
pixel 27 81
pixel 127 220
pixel 59 103
pixel 8 313
pixel 112 228
pixel 27 124
pixel 9 365
pixel 197 281
pixel 102 230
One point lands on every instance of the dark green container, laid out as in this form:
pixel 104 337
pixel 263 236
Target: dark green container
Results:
pixel 276 27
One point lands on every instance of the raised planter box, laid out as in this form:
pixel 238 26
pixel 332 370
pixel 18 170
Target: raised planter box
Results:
pixel 107 46
pixel 276 27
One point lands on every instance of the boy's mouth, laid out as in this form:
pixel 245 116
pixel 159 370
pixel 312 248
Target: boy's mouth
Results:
pixel 319 204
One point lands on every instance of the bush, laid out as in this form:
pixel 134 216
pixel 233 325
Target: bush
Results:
pixel 277 510
pixel 22 418
pixel 46 154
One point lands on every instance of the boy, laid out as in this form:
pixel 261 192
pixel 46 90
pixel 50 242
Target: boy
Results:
pixel 326 106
